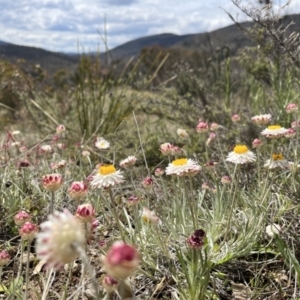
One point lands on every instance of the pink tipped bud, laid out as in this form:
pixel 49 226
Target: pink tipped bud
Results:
pixel 148 182
pixel 78 190
pixel 202 127
pixel 121 260
pixel 159 172
pixel 109 283
pixel 132 200
pixel 291 108
pixel 52 182
pixel 60 129
pixel 85 212
pixel 21 218
pixel 169 149
pixel 295 124
pixel 291 133
pixel 196 240
pixel 28 231
pixel 235 118
pixel 4 258
pixel 256 143
pixel 226 180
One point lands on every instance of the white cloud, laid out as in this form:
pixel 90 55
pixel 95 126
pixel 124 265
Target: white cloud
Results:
pixel 59 25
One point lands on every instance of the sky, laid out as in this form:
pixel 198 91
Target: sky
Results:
pixel 80 25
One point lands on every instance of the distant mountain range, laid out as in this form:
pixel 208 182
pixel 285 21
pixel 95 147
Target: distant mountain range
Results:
pixel 230 36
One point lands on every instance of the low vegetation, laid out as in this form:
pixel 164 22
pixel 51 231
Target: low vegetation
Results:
pixel 172 176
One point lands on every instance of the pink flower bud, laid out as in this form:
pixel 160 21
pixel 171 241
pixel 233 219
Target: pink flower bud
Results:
pixel 202 127
pixel 92 231
pixel 121 260
pixel 52 182
pixel 28 231
pixel 85 212
pixel 148 182
pixel 132 200
pixel 21 218
pixel 159 172
pixel 4 258
pixel 290 133
pixel 78 190
pixel 291 108
pixel 60 129
pixel 295 124
pixel 196 240
pixel 109 283
pixel 235 118
pixel 226 180
pixel 256 143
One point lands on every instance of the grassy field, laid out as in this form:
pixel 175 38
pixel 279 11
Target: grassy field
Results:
pixel 157 181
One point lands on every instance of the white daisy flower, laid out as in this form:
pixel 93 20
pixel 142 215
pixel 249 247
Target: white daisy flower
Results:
pixel 277 162
pixel 262 119
pixel 241 155
pixel 56 242
pixel 102 143
pixel 183 167
pixel 128 162
pixel 274 131
pixel 107 176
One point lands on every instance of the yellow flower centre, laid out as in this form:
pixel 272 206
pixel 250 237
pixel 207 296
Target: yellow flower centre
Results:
pixel 277 157
pixel 179 162
pixel 240 149
pixel 108 169
pixel 145 219
pixel 274 127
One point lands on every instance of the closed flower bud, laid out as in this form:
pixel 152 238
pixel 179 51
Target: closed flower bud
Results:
pixel 28 231
pixel 85 212
pixel 4 258
pixel 60 129
pixel 121 260
pixel 196 240
pixel 109 283
pixel 52 182
pixel 21 218
pixel 78 190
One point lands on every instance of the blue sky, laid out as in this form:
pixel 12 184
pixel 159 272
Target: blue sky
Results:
pixel 62 25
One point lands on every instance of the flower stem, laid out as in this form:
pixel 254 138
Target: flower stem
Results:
pixel 27 268
pixel 114 211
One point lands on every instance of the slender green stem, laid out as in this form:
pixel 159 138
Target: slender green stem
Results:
pixel 27 268
pixel 235 181
pixel 52 203
pixel 114 211
pixel 89 268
